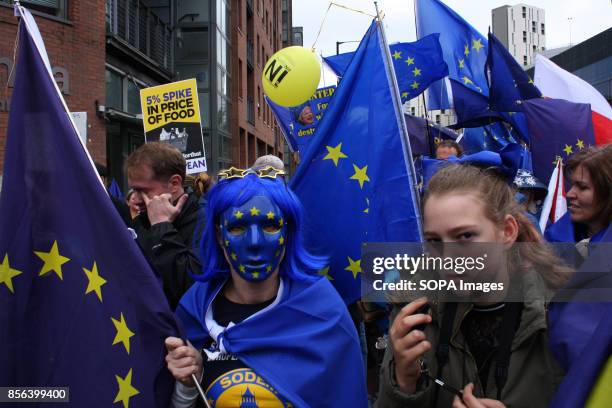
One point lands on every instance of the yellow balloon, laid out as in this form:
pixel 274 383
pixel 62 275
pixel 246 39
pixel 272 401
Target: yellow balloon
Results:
pixel 291 76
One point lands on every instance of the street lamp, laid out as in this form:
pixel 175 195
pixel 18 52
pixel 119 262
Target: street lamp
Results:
pixel 342 42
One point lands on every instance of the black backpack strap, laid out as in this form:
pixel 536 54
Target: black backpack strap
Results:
pixel 510 323
pixel 443 349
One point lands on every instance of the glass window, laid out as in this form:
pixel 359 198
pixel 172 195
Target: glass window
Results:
pixel 204 100
pixel 193 10
pixel 114 90
pixel 197 71
pixel 222 113
pixel 57 8
pixel 193 44
pixel 133 97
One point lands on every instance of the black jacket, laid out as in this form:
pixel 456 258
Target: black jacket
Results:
pixel 169 247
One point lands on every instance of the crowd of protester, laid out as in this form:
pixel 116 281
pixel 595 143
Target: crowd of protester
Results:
pixel 259 319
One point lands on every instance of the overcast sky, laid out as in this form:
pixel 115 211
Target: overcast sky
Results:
pixel 589 17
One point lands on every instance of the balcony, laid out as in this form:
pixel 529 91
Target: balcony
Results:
pixel 250 54
pixel 250 110
pixel 132 23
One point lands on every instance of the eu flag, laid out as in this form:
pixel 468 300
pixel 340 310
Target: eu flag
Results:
pixel 356 179
pixel 557 129
pixel 416 65
pixel 79 305
pixel 509 84
pixel 425 136
pixel 464 49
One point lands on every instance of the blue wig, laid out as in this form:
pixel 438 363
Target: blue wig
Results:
pixel 297 264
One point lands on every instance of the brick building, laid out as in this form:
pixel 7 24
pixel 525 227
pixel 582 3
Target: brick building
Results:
pixel 103 53
pixel 73 32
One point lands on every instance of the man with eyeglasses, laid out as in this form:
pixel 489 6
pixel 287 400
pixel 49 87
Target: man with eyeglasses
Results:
pixel 168 216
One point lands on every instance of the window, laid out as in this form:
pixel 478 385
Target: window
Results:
pixel 412 111
pixel 240 80
pixel 524 60
pixel 542 26
pixel 114 90
pixel 193 44
pixel 438 119
pixel 443 111
pixel 56 8
pixel 133 97
pixel 525 36
pixel 533 27
pixel 524 12
pixel 191 11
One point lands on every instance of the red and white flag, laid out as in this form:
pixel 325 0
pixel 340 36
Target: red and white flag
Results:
pixel 555 82
pixel 555 204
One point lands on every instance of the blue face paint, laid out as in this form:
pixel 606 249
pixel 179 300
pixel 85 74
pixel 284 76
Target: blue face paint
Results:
pixel 254 238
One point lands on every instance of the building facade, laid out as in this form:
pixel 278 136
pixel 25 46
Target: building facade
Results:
pixel 74 35
pixel 104 53
pixel 522 29
pixel 256 34
pixel 590 60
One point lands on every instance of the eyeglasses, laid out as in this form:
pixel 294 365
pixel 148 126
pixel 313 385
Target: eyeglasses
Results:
pixel 265 172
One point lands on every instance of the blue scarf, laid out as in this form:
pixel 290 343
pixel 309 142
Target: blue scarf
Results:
pixel 306 346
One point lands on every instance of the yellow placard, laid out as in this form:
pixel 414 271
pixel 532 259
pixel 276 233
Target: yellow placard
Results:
pixel 170 103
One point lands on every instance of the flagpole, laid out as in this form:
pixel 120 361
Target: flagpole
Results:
pixel 430 141
pixel 409 162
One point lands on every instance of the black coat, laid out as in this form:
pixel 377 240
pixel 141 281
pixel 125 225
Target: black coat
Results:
pixel 169 247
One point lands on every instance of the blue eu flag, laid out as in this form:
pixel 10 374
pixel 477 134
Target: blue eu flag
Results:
pixel 464 49
pixel 509 84
pixel 558 129
pixel 355 180
pixel 416 65
pixel 79 305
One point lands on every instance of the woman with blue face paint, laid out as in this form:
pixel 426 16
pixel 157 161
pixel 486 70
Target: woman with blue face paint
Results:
pixel 264 329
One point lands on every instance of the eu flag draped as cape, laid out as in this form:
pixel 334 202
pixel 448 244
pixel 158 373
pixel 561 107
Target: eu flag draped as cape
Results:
pixel 355 180
pixel 79 305
pixel 306 346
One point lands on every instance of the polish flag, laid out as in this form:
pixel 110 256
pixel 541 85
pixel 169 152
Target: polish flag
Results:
pixel 555 82
pixel 555 204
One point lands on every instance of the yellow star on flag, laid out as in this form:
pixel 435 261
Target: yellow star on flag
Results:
pixel 335 154
pixel 467 80
pixel 462 63
pixel 277 253
pixel 397 55
pixel 270 215
pixel 360 175
pixel 354 266
pixel 233 256
pixel 580 144
pixel 410 61
pixel 568 149
pixel 415 85
pixel 404 94
pixel 325 272
pixel 241 268
pixel 255 211
pixel 531 81
pixel 268 268
pixel 7 273
pixel 367 210
pixel 123 333
pixel 53 261
pixel 238 214
pixel 281 240
pixel 126 391
pixel 281 222
pixel 466 50
pixel 477 45
pixel 226 243
pixel 255 275
pixel 95 281
pixel 416 71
